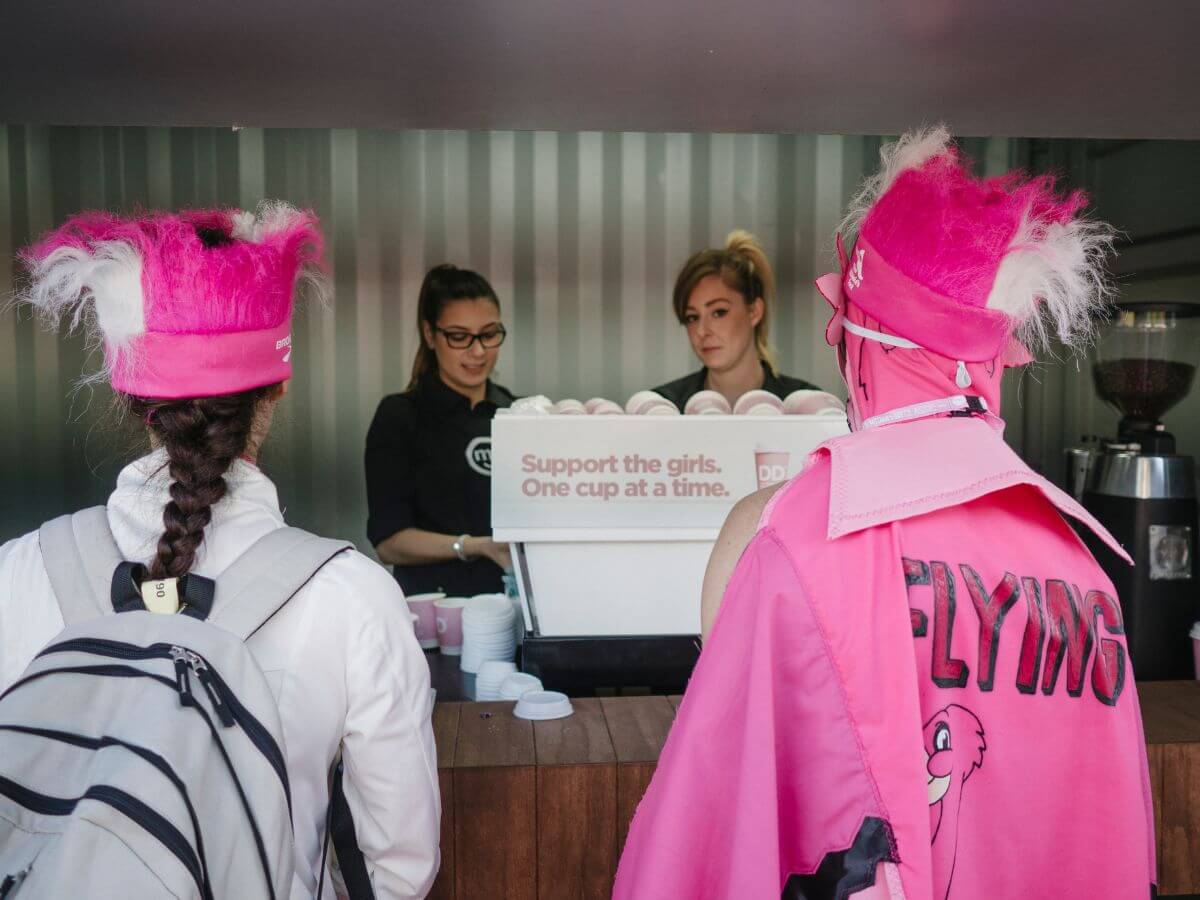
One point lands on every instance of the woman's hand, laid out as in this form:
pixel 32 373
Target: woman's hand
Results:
pixel 486 547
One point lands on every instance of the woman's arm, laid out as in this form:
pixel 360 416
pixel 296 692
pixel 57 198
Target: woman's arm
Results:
pixel 416 546
pixel 740 526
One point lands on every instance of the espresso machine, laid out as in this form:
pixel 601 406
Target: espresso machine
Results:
pixel 1140 488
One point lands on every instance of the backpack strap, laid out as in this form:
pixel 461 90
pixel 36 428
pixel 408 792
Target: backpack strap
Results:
pixel 262 580
pixel 80 556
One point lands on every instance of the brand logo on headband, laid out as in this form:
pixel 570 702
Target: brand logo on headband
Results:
pixel 285 343
pixel 855 278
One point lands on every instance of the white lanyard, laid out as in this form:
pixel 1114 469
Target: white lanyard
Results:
pixel 957 403
pixel 961 377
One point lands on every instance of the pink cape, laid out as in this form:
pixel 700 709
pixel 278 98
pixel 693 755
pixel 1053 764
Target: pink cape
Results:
pixel 917 687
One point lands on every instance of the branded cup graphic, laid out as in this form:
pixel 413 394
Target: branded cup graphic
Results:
pixel 770 466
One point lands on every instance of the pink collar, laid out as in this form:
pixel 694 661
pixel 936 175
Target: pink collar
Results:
pixel 888 474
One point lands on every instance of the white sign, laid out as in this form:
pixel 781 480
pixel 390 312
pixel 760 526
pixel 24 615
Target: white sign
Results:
pixel 581 476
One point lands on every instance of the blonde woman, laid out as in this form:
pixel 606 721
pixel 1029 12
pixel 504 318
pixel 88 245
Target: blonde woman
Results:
pixel 723 298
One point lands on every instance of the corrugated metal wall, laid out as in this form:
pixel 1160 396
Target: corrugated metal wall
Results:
pixel 580 233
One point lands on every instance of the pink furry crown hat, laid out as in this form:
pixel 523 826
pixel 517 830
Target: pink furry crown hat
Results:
pixel 961 265
pixel 190 304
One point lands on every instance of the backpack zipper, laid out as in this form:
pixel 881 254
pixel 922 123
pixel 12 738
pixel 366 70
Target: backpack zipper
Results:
pixel 185 661
pixel 9 885
pixel 227 707
pixel 129 806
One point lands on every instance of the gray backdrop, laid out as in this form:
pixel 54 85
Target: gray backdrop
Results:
pixel 581 234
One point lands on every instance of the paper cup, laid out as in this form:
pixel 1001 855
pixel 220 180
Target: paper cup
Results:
pixel 632 404
pixel 421 605
pixel 449 624
pixel 569 408
pixel 1196 648
pixel 537 405
pixel 764 409
pixel 770 467
pixel 811 403
pixel 751 399
pixel 659 409
pixel 708 403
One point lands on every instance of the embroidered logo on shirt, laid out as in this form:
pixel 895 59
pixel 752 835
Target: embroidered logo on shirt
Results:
pixel 479 455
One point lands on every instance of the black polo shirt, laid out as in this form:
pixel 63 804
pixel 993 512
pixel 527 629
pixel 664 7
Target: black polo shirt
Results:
pixel 429 464
pixel 680 390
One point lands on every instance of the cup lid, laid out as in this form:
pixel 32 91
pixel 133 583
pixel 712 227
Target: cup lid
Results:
pixel 517 684
pixel 541 705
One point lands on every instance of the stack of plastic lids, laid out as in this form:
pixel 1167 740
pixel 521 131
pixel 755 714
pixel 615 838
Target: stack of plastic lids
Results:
pixel 487 631
pixel 491 674
pixel 518 684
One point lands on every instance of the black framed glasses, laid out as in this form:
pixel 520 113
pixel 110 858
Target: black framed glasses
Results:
pixel 460 340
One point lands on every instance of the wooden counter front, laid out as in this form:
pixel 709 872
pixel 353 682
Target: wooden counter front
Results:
pixel 540 810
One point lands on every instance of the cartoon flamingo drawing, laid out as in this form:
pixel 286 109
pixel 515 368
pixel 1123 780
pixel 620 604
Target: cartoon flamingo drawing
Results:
pixel 954 748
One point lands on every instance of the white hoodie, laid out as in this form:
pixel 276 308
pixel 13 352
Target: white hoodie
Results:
pixel 341 658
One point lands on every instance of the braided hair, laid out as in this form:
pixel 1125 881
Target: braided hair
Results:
pixel 203 437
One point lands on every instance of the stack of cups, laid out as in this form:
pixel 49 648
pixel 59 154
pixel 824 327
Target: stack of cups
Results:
pixel 648 403
pixel 487 627
pixel 569 408
pixel 707 403
pixel 422 606
pixel 758 403
pixel 449 612
pixel 598 406
pixel 492 673
pixel 813 403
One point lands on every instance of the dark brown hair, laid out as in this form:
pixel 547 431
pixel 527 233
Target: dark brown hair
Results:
pixel 742 265
pixel 202 436
pixel 443 284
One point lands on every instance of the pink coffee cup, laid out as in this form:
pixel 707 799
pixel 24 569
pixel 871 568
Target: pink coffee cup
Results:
pixel 421 606
pixel 770 467
pixel 449 624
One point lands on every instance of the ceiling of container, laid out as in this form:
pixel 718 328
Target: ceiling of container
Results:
pixel 1070 68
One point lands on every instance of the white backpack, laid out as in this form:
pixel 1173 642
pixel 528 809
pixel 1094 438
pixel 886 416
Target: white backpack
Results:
pixel 141 754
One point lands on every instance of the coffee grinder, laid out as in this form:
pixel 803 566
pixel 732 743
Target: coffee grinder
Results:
pixel 1140 489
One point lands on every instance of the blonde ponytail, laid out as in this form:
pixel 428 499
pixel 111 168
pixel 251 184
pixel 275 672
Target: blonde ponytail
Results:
pixel 743 246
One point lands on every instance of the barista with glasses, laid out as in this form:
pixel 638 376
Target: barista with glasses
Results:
pixel 428 457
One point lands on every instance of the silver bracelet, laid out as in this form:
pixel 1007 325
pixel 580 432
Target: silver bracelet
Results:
pixel 460 547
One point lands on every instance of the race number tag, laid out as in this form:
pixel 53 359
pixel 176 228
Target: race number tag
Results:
pixel 161 596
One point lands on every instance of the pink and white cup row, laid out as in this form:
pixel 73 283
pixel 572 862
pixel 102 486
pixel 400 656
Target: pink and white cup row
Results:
pixel 703 403
pixel 764 403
